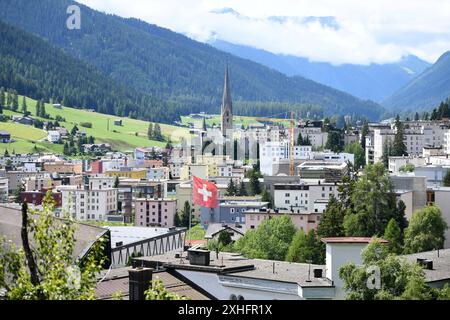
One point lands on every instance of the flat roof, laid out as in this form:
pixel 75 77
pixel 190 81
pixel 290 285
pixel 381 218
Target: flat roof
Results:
pixel 133 234
pixel 236 265
pixel 349 240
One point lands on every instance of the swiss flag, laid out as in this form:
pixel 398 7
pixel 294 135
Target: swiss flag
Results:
pixel 205 193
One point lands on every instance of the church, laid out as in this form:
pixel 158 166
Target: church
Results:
pixel 227 107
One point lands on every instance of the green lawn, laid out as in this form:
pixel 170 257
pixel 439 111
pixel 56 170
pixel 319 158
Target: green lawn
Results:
pixel 26 138
pixel 132 133
pixel 246 121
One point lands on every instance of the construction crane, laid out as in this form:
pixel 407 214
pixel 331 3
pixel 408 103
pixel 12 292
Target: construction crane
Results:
pixel 292 145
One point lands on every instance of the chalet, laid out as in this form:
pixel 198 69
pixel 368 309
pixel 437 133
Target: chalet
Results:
pixel 118 122
pixel 101 147
pixel 23 120
pixel 5 136
pixel 54 136
pixel 57 106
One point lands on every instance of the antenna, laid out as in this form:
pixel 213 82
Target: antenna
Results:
pixel 309 270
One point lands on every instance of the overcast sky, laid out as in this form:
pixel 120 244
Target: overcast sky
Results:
pixel 349 31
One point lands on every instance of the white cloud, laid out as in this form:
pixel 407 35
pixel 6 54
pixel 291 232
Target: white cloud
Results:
pixel 361 32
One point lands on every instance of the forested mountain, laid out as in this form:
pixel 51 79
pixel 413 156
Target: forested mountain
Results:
pixel 374 81
pixel 427 90
pixel 35 68
pixel 186 73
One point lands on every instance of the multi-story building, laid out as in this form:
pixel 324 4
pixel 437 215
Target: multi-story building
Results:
pixel 4 190
pixel 197 170
pixel 303 221
pixel 155 212
pixel 158 173
pixel 89 204
pixel 231 210
pixel 304 197
pixel 312 130
pixel 127 172
pixel 272 153
pixel 62 167
pixel 327 170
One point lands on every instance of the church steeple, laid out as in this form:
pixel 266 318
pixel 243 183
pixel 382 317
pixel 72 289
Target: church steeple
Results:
pixel 227 105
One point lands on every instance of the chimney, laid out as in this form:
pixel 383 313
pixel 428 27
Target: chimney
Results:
pixel 139 279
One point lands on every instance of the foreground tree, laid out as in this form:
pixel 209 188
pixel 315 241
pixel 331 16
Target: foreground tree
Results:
pixel 399 279
pixel 305 248
pixel 426 230
pixel 271 240
pixel 373 203
pixel 44 268
pixel 185 214
pixel 393 235
pixel 157 291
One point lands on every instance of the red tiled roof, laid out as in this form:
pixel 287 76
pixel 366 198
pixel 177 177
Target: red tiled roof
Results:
pixel 350 240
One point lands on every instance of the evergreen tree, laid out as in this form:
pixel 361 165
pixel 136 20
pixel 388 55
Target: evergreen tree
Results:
pixel 393 235
pixel 265 197
pixel 299 139
pixel 242 190
pixel 66 149
pixel 331 221
pixel 399 147
pixel 204 124
pixel 2 99
pixel 116 182
pixel 150 131
pixel 446 180
pixel 305 248
pixel 14 101
pixel 416 116
pixel 24 106
pixel 255 187
pixel 74 131
pixel 185 214
pixel 157 133
pixel 231 189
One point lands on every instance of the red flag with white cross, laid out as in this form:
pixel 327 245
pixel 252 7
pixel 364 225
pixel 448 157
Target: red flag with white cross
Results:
pixel 205 193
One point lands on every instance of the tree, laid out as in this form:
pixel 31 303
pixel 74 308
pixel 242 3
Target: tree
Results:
pixel 373 201
pixel 255 187
pixel 446 180
pixel 400 279
pixel 242 191
pixel 14 101
pixel 2 99
pixel 66 149
pixel 335 141
pixel 299 139
pixel 426 230
pixel 416 116
pixel 398 147
pixel 150 131
pixel 271 240
pixel 305 248
pixel 157 291
pixel 231 189
pixel 74 130
pixel 204 124
pixel 116 182
pixel 24 106
pixel 177 220
pixel 393 235
pixel 331 221
pixel 47 270
pixel 266 197
pixel 387 147
pixel 224 238
pixel 157 135
pixel 364 133
pixel 359 153
pixel 185 214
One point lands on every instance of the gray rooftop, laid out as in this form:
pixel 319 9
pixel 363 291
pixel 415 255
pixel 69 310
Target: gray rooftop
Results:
pixel 441 264
pixel 236 265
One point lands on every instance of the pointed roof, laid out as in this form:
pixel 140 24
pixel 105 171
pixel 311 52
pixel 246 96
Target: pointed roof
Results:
pixel 226 100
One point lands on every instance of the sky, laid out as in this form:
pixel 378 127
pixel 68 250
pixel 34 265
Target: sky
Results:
pixel 335 31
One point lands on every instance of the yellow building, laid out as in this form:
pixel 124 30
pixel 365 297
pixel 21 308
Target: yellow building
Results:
pixel 198 170
pixel 212 162
pixel 130 174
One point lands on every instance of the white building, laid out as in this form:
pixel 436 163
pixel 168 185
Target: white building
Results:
pixel 54 136
pixel 161 173
pixel 306 197
pixel 4 190
pixel 89 204
pixel 271 153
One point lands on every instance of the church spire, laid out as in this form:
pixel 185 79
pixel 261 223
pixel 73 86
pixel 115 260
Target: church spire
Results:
pixel 226 100
pixel 227 106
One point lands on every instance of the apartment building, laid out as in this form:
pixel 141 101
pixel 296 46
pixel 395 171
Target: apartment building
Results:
pixel 155 212
pixel 89 204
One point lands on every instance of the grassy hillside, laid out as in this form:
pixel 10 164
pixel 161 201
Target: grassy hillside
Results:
pixel 132 133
